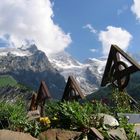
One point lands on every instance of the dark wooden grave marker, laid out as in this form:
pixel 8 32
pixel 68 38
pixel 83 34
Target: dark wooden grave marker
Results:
pixel 72 90
pixel 116 71
pixel 39 99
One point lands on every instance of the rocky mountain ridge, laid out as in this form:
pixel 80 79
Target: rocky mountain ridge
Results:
pixel 31 68
pixel 28 65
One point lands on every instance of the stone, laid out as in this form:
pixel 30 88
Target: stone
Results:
pixel 31 115
pixel 137 129
pixel 117 133
pixel 12 135
pixel 108 120
pixel 132 119
pixel 58 134
pixel 96 133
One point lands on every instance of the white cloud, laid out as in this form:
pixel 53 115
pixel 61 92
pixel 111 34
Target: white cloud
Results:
pixel 120 11
pixel 93 50
pixel 32 20
pixel 114 35
pixel 135 8
pixel 90 27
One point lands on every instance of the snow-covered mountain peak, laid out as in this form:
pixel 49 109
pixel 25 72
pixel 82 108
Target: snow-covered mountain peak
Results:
pixel 96 64
pixel 88 74
pixel 63 60
pixel 22 51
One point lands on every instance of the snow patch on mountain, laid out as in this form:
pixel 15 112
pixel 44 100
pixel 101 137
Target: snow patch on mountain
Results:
pixel 87 74
pixel 22 51
pixel 63 60
pixel 99 64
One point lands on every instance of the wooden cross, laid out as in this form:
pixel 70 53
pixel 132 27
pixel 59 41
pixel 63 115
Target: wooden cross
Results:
pixel 117 71
pixel 39 100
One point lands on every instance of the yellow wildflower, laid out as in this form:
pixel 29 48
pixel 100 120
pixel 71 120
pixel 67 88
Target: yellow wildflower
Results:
pixel 45 120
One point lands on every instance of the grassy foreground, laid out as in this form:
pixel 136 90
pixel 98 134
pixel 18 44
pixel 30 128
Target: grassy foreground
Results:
pixel 67 115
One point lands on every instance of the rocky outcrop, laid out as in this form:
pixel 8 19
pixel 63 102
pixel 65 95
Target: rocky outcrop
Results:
pixel 108 120
pixel 11 135
pixel 58 134
pixel 118 133
pixel 95 134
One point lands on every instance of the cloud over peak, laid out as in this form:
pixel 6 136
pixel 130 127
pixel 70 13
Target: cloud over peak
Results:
pixel 114 35
pixel 32 20
pixel 135 8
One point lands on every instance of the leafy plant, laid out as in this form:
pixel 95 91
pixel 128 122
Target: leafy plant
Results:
pixel 17 114
pixel 74 115
pixel 33 127
pixel 129 128
pixel 14 113
pixel 100 107
pixel 52 108
pixel 13 117
pixel 121 102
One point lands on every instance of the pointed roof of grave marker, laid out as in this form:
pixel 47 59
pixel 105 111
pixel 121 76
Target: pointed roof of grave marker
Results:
pixel 43 92
pixel 72 86
pixel 113 59
pixel 41 96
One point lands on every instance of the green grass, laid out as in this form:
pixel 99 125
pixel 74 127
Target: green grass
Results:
pixel 7 80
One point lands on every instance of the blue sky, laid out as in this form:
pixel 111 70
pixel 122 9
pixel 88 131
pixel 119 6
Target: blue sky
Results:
pixel 84 28
pixel 73 15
